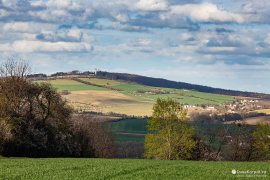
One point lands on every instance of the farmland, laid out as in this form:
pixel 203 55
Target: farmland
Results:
pixel 266 111
pixel 129 129
pixel 71 168
pixel 71 85
pixel 103 95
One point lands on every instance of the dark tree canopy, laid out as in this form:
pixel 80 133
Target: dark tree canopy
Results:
pixel 36 122
pixel 36 116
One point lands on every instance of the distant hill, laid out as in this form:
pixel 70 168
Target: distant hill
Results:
pixel 150 81
pixel 159 82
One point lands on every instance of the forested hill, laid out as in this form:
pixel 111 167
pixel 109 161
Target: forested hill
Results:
pixel 159 82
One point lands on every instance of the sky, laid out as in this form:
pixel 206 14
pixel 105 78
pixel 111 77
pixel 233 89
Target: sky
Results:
pixel 218 43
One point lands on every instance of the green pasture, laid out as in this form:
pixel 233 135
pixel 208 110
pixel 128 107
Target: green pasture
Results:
pixel 102 82
pixel 71 85
pixel 138 126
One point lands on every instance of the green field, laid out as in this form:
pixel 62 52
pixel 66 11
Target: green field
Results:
pixel 101 82
pixel 138 126
pixel 131 126
pixel 71 85
pixel 184 96
pixel 68 168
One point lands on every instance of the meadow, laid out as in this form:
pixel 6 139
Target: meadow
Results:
pixel 80 168
pixel 129 130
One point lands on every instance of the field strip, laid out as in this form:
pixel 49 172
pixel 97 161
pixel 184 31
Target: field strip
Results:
pixel 130 134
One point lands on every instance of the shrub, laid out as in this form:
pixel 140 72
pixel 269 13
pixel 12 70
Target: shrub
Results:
pixel 92 138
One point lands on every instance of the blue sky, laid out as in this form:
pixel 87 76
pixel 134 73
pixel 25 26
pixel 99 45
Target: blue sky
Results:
pixel 219 43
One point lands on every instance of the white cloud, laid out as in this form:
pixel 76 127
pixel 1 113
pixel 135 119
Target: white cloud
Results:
pixel 64 4
pixel 26 27
pixel 17 27
pixel 23 46
pixel 121 17
pixel 220 49
pixel 49 15
pixel 39 3
pixel 267 40
pixel 206 12
pixel 152 5
pixel 257 11
pixel 74 33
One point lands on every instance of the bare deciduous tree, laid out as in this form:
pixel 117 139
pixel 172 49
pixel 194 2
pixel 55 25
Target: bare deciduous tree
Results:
pixel 14 68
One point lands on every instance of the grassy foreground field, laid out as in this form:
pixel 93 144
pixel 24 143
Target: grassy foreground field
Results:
pixel 68 168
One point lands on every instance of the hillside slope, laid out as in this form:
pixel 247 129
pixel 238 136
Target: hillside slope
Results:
pixel 103 95
pixel 159 82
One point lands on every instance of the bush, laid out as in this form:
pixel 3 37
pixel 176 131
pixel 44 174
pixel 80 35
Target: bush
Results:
pixel 92 139
pixel 130 150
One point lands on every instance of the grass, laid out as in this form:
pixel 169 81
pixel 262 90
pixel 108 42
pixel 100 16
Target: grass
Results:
pixel 68 168
pixel 132 87
pixel 128 138
pixel 215 98
pixel 101 82
pixel 131 126
pixel 136 126
pixel 183 96
pixel 71 85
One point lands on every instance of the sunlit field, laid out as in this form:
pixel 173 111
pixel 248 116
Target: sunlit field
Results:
pixel 14 168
